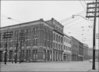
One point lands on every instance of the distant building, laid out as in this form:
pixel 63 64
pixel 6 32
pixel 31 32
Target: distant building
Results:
pixel 67 48
pixel 81 50
pixel 74 48
pixel 77 50
pixel 90 53
pixel 85 51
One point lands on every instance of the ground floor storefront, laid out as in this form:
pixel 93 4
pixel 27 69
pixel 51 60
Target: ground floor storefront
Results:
pixel 39 54
pixel 76 57
pixel 32 55
pixel 67 57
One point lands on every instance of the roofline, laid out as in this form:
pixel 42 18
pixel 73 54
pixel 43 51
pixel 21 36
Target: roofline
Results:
pixel 76 39
pixel 58 22
pixel 22 23
pixel 66 35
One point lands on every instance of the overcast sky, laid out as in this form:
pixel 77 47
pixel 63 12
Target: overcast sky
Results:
pixel 62 11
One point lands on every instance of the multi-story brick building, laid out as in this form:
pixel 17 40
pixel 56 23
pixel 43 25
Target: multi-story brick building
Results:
pixel 33 41
pixel 57 39
pixel 39 41
pixel 67 48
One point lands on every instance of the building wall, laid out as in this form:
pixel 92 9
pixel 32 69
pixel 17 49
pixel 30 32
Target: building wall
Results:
pixel 33 41
pixel 80 55
pixel 74 49
pixel 67 48
pixel 39 41
pixel 85 51
pixel 34 45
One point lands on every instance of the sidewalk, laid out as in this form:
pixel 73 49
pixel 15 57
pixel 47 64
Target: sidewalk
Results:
pixel 97 70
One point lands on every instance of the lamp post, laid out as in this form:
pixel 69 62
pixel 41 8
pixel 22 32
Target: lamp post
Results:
pixel 93 12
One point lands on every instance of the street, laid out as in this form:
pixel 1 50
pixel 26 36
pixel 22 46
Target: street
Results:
pixel 50 66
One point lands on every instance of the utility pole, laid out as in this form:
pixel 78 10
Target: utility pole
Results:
pixel 93 12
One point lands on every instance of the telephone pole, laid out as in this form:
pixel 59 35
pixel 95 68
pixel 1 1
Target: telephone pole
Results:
pixel 93 12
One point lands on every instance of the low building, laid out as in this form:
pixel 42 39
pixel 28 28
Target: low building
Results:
pixel 74 48
pixel 80 55
pixel 90 53
pixel 85 51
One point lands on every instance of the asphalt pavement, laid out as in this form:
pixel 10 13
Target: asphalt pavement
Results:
pixel 81 66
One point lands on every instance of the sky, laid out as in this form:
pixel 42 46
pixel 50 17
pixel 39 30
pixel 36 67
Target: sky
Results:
pixel 62 11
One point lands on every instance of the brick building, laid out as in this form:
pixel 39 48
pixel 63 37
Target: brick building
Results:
pixel 67 48
pixel 33 41
pixel 77 49
pixel 57 39
pixel 74 49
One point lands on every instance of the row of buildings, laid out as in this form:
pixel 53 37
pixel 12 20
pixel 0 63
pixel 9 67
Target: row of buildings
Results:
pixel 40 41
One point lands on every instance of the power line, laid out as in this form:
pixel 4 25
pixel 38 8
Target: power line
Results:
pixel 85 2
pixel 82 5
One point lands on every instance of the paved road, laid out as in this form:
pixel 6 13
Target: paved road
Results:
pixel 50 66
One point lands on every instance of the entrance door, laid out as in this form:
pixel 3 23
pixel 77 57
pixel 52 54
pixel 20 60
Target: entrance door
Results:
pixel 10 55
pixel 34 55
pixel 1 56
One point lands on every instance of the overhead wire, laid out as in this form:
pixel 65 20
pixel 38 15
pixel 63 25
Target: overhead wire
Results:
pixel 82 5
pixel 85 2
pixel 71 25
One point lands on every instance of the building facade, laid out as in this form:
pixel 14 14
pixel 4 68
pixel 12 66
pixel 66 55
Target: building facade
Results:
pixel 85 51
pixel 33 41
pixel 39 41
pixel 81 52
pixel 77 49
pixel 57 39
pixel 67 48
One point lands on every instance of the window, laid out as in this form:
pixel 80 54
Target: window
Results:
pixel 53 45
pixel 61 39
pixel 54 36
pixel 36 42
pixel 1 44
pixel 0 36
